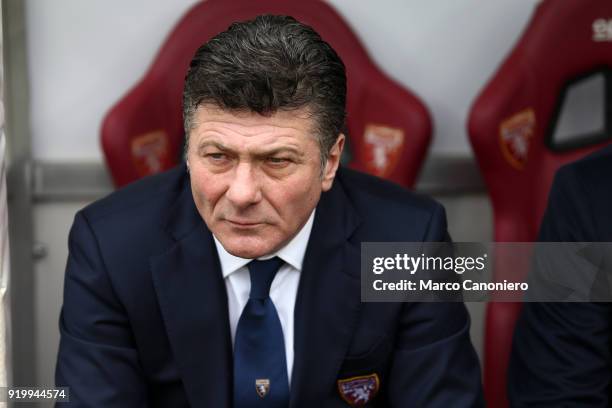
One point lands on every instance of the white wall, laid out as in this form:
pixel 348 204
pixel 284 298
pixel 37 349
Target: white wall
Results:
pixel 84 55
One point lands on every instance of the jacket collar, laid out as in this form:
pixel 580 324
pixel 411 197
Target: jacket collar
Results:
pixel 193 301
pixel 328 301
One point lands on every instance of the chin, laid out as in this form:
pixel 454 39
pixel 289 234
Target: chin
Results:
pixel 248 248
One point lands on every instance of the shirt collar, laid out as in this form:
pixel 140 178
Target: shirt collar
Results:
pixel 292 253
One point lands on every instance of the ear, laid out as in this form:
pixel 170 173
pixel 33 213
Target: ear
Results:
pixel 333 161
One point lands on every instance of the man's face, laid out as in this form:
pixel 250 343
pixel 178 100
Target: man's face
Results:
pixel 255 180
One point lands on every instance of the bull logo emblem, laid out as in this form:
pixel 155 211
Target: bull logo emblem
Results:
pixel 262 386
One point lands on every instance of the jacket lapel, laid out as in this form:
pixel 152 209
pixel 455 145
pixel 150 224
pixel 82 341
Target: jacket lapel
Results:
pixel 328 301
pixel 193 302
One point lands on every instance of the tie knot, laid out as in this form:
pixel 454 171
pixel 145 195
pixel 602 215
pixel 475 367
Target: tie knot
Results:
pixel 262 274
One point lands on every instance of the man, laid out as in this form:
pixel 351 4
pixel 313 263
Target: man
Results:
pixel 172 294
pixel 561 354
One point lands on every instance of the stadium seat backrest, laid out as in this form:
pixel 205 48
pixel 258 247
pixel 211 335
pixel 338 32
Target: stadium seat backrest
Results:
pixel 512 126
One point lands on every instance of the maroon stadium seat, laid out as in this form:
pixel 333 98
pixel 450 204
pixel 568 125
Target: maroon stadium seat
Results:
pixel 511 126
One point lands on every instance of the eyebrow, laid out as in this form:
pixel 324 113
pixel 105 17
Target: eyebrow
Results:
pixel 272 152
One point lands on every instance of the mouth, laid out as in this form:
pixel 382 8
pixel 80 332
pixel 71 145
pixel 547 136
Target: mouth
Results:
pixel 243 224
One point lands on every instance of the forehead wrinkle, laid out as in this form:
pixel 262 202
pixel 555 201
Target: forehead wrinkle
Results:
pixel 257 129
pixel 257 150
pixel 276 150
pixel 221 128
pixel 277 146
pixel 210 113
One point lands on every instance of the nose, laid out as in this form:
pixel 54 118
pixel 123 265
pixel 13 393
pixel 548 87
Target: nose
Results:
pixel 244 189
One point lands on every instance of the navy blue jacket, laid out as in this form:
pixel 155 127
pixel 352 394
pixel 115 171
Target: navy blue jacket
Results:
pixel 561 355
pixel 145 320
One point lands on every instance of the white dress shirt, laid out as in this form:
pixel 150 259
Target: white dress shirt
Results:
pixel 282 292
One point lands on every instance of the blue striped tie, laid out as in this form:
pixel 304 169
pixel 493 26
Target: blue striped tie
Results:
pixel 260 368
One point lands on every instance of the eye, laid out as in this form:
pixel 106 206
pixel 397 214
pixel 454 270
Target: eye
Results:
pixel 278 161
pixel 217 156
pixel 217 159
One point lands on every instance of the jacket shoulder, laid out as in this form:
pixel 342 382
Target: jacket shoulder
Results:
pixel 390 212
pixel 142 195
pixel 589 175
pixel 592 164
pixel 368 192
pixel 580 197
